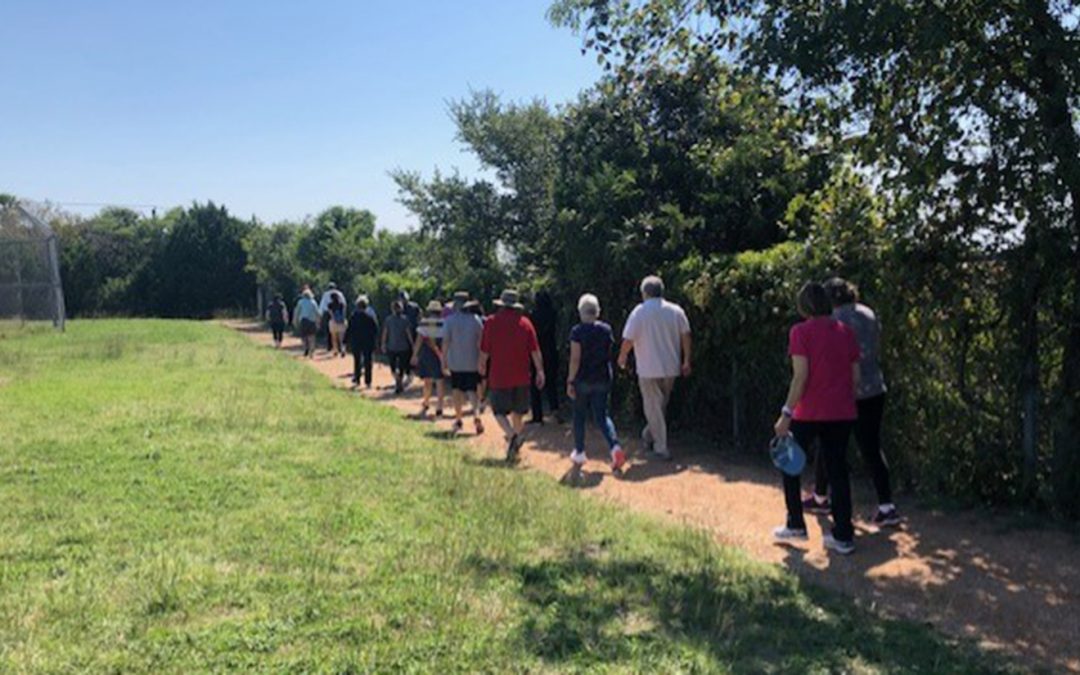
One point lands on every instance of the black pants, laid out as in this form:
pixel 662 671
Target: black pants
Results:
pixel 551 389
pixel 325 326
pixel 362 362
pixel 278 329
pixel 833 439
pixel 868 437
pixel 399 363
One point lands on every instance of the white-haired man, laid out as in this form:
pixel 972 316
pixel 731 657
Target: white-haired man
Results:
pixel 658 333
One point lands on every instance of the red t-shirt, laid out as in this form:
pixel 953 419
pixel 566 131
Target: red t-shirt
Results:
pixel 830 348
pixel 509 340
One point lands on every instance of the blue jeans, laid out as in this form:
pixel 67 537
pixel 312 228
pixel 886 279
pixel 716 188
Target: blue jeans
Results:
pixel 592 399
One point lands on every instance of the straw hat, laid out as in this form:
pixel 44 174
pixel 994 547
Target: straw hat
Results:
pixel 435 307
pixel 509 299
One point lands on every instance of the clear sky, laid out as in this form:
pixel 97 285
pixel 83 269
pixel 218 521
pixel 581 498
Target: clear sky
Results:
pixel 275 109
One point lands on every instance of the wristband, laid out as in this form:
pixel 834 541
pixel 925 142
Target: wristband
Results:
pixel 787 412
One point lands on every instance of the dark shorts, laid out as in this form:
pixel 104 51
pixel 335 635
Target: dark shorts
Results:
pixel 464 381
pixel 307 327
pixel 513 400
pixel 399 361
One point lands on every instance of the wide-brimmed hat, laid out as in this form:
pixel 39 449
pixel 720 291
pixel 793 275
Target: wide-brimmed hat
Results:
pixel 362 298
pixel 787 455
pixel 509 299
pixel 461 296
pixel 435 306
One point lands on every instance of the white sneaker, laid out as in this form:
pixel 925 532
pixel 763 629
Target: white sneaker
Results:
pixel 787 534
pixel 577 457
pixel 841 547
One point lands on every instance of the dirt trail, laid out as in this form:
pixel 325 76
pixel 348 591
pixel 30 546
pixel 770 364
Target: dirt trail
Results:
pixel 1015 591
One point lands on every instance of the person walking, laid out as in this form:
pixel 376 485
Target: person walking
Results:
pixel 869 404
pixel 336 309
pixel 507 347
pixel 411 310
pixel 462 331
pixel 820 407
pixel 397 344
pixel 360 337
pixel 545 320
pixel 588 382
pixel 427 358
pixel 277 315
pixel 324 312
pixel 306 317
pixel 476 308
pixel 658 333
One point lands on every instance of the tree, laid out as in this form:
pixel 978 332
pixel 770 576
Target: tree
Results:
pixel 966 110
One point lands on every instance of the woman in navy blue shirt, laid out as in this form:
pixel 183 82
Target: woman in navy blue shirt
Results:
pixel 588 382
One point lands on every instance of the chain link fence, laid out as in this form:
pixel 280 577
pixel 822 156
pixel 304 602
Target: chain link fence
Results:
pixel 30 285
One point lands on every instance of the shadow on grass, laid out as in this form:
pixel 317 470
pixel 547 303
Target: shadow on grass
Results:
pixel 586 609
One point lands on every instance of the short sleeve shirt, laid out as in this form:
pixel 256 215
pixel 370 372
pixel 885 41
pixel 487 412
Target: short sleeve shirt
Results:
pixel 397 329
pixel 596 343
pixel 656 327
pixel 509 339
pixel 463 330
pixel 862 320
pixel 830 349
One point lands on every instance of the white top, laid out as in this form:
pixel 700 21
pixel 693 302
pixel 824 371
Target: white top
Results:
pixel 656 327
pixel 324 302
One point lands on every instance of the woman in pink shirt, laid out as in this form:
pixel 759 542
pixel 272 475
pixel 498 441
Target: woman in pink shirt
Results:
pixel 820 407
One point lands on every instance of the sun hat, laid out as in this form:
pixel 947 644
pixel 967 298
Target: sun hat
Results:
pixel 787 455
pixel 461 296
pixel 508 299
pixel 435 306
pixel 362 298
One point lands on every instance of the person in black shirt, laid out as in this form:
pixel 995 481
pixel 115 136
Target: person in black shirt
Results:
pixel 545 319
pixel 360 337
pixel 277 314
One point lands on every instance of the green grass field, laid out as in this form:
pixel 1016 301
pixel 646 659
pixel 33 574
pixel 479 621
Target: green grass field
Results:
pixel 177 499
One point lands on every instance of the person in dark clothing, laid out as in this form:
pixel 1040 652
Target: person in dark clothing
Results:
pixel 545 319
pixel 277 314
pixel 360 337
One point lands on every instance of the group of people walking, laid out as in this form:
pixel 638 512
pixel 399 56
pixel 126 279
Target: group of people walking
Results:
pixel 837 385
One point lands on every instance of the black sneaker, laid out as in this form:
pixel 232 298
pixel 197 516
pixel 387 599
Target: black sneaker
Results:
pixel 512 448
pixel 886 518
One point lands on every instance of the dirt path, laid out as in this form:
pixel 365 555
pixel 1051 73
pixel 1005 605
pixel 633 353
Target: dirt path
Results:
pixel 1015 591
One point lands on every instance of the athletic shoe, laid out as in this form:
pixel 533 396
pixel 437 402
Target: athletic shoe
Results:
pixel 659 456
pixel 458 427
pixel 618 458
pixel 886 518
pixel 438 413
pixel 423 412
pixel 788 534
pixel 812 505
pixel 841 547
pixel 577 457
pixel 479 426
pixel 512 448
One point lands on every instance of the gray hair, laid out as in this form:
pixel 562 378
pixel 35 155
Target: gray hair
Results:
pixel 588 307
pixel 652 286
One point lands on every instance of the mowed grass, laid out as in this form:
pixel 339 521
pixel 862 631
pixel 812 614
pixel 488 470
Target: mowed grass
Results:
pixel 178 499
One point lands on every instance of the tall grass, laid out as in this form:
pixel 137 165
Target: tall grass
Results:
pixel 177 499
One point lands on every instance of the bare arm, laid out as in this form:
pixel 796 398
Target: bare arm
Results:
pixel 624 352
pixel 538 363
pixel 481 367
pixel 575 363
pixel 687 349
pixel 800 372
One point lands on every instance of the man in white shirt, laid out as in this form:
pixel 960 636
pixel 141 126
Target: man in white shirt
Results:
pixel 658 333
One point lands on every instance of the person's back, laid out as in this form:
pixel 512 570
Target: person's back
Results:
pixel 510 339
pixel 864 323
pixel 656 327
pixel 398 329
pixel 277 312
pixel 363 330
pixel 830 349
pixel 306 309
pixel 463 331
pixel 596 342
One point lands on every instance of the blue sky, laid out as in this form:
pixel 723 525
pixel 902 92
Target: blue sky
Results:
pixel 276 109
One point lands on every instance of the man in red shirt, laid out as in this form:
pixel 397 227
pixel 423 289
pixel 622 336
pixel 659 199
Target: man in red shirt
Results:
pixel 508 344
